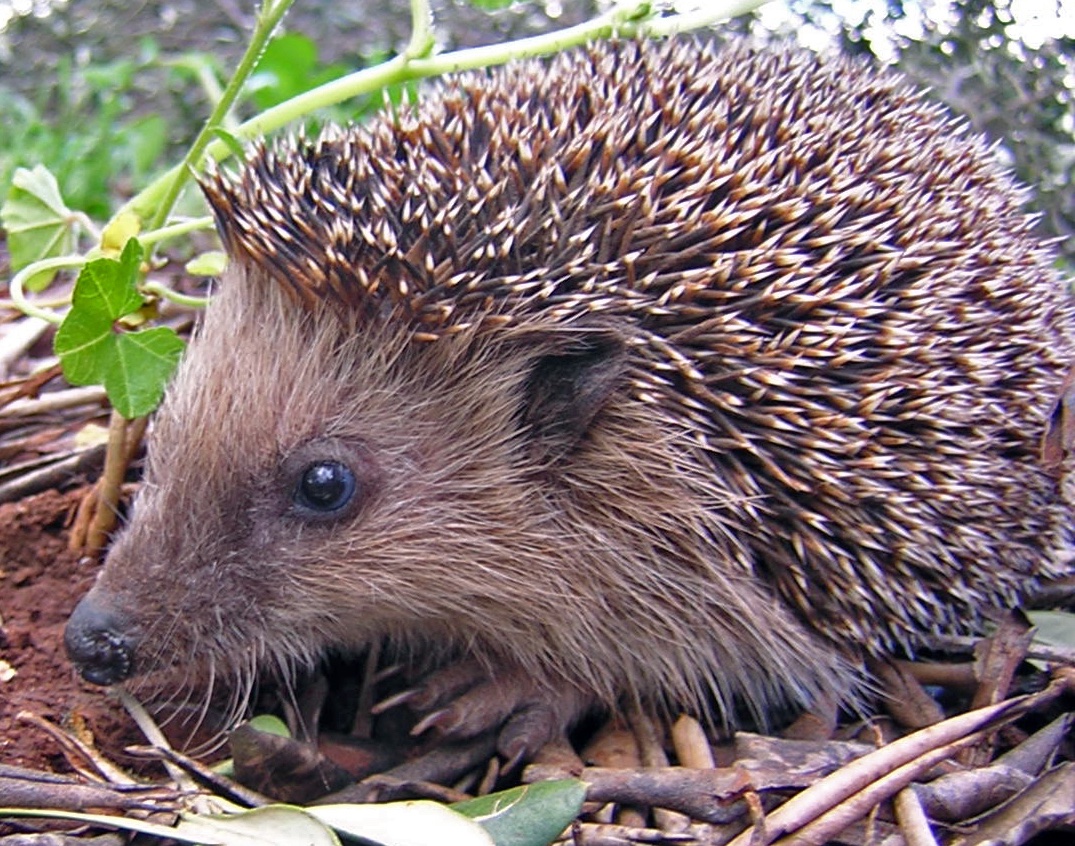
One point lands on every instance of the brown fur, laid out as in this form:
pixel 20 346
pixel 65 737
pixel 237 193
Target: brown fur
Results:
pixel 665 373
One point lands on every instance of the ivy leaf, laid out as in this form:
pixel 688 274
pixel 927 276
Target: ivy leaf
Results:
pixel 105 289
pixel 531 815
pixel 38 223
pixel 95 349
pixel 231 141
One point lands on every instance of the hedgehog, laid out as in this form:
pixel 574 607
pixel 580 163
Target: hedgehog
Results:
pixel 661 373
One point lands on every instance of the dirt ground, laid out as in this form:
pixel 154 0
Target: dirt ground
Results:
pixel 40 582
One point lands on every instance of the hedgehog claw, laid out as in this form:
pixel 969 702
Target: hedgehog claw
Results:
pixel 394 701
pixel 443 686
pixel 444 720
pixel 526 732
pixel 461 701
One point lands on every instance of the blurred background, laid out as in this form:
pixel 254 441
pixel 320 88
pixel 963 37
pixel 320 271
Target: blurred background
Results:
pixel 106 92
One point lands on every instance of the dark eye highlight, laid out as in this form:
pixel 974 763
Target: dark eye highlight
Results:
pixel 325 488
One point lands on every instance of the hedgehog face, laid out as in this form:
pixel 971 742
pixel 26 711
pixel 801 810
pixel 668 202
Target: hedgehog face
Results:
pixel 300 480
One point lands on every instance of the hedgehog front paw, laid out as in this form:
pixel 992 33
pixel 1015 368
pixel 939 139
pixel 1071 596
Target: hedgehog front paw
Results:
pixel 463 700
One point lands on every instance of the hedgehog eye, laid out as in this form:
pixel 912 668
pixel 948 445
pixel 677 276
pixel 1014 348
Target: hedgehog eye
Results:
pixel 325 488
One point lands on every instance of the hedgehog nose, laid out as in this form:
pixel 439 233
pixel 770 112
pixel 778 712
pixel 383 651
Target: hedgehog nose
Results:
pixel 97 642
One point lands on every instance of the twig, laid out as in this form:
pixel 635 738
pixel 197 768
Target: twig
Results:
pixel 888 764
pixel 54 401
pixel 74 747
pixel 17 339
pixel 912 819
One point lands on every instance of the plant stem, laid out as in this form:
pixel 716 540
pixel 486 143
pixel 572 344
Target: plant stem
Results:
pixel 174 230
pixel 107 488
pixel 18 281
pixel 176 178
pixel 422 39
pixel 166 293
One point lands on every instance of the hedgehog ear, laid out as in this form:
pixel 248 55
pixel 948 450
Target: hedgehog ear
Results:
pixel 568 387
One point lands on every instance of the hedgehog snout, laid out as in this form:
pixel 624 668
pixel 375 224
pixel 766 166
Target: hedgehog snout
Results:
pixel 100 642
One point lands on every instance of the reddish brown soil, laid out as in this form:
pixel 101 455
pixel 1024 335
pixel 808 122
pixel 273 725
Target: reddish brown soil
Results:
pixel 40 582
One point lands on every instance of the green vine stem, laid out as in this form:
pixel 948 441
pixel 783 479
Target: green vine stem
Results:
pixel 270 15
pixel 422 39
pixel 158 289
pixel 16 287
pixel 175 230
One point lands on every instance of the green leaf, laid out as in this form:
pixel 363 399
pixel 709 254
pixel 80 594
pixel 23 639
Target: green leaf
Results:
pixel 134 367
pixel 417 823
pixel 1053 628
pixel 274 825
pixel 82 345
pixel 531 815
pixel 104 292
pixel 139 368
pixel 39 225
pixel 233 143
pixel 288 67
pixel 106 287
pixel 270 724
